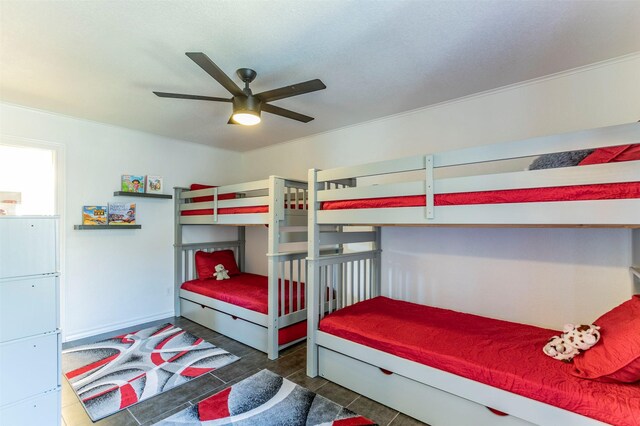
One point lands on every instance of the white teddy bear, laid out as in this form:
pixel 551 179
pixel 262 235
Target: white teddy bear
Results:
pixel 221 273
pixel 572 341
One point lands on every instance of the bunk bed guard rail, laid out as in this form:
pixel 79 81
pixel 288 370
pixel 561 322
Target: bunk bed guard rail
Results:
pixel 428 186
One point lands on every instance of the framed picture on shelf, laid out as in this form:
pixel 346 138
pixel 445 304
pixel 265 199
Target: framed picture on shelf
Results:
pixel 154 185
pixel 122 214
pixel 132 183
pixel 94 215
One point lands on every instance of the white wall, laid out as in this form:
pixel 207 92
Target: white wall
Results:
pixel 116 278
pixel 538 276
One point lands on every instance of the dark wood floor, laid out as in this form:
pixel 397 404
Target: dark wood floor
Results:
pixel 290 364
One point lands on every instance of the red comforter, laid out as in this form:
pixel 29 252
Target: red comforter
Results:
pixel 531 195
pixel 502 354
pixel 560 193
pixel 224 210
pixel 250 291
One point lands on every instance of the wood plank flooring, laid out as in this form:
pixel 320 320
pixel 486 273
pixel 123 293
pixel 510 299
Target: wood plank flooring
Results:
pixel 291 364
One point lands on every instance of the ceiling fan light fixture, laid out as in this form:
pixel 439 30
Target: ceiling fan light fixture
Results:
pixel 247 107
pixel 246 118
pixel 246 110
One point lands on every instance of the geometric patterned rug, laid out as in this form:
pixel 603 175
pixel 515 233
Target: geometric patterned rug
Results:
pixel 113 374
pixel 265 399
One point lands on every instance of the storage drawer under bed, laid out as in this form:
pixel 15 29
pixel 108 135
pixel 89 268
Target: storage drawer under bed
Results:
pixel 246 332
pixel 416 399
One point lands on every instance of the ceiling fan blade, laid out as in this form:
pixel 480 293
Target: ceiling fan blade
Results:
pixel 196 97
pixel 286 113
pixel 293 90
pixel 212 69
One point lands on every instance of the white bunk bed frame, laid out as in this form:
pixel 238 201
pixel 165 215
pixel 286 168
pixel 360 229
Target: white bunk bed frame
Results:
pixel 431 395
pixel 286 220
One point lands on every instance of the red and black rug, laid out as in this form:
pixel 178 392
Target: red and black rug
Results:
pixel 265 399
pixel 116 373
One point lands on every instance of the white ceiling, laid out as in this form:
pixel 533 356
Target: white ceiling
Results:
pixel 101 59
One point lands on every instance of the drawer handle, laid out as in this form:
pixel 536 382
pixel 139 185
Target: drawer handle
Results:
pixel 234 317
pixel 387 372
pixel 497 412
pixel 202 306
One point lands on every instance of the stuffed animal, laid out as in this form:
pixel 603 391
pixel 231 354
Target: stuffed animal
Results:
pixel 558 349
pixel 572 341
pixel 221 273
pixel 581 337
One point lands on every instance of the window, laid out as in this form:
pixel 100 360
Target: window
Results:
pixel 27 181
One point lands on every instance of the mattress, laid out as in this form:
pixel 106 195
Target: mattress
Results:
pixel 529 195
pixel 250 291
pixel 498 353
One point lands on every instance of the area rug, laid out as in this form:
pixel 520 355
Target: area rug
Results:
pixel 113 374
pixel 265 399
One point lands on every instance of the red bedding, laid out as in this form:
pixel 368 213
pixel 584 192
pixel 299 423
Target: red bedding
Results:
pixel 250 291
pixel 502 354
pixel 227 210
pixel 531 195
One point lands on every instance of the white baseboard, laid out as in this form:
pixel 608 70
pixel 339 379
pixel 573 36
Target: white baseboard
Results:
pixel 113 326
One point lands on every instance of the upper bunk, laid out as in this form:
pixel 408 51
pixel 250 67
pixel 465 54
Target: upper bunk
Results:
pixel 260 202
pixel 603 191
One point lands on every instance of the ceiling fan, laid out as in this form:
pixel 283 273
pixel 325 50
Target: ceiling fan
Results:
pixel 247 106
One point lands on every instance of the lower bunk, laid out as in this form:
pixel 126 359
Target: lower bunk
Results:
pixel 445 367
pixel 267 313
pixel 238 308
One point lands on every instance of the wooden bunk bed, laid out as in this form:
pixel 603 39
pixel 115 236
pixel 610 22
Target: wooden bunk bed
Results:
pixel 358 338
pixel 267 313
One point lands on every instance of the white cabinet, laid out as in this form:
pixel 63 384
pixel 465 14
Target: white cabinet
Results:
pixel 29 321
pixel 27 307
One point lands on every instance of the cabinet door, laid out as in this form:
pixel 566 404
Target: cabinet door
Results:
pixel 27 246
pixel 28 367
pixel 41 410
pixel 28 307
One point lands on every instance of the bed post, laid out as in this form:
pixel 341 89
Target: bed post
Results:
pixel 377 284
pixel 635 260
pixel 177 251
pixel 276 214
pixel 313 276
pixel 428 186
pixel 241 248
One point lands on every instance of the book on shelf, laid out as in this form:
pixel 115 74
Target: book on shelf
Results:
pixel 122 214
pixel 94 215
pixel 154 184
pixel 132 183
